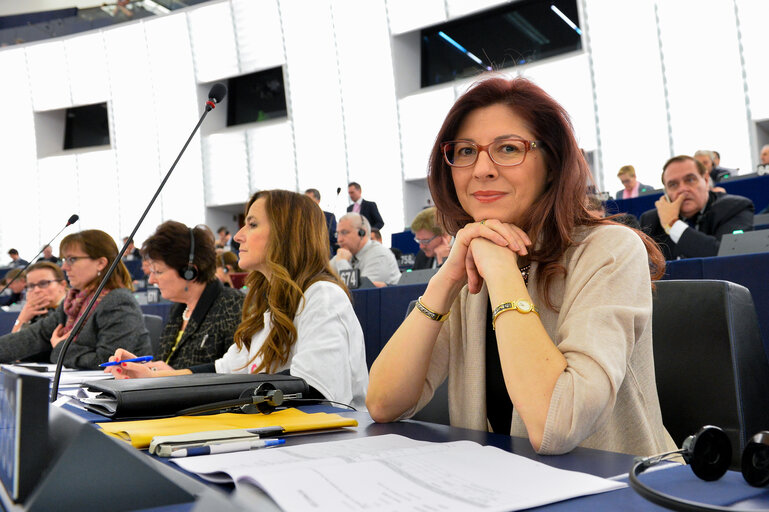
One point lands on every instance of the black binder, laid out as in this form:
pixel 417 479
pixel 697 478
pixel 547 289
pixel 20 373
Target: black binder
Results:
pixel 165 396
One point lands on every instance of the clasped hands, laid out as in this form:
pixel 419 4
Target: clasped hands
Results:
pixel 483 250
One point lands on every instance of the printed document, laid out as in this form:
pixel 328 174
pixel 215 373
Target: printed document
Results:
pixel 391 472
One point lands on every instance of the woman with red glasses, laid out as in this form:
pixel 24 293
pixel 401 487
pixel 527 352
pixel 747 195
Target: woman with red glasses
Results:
pixel 540 317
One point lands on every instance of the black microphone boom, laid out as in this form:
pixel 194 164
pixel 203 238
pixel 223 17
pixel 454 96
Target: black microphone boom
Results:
pixel 73 218
pixel 215 95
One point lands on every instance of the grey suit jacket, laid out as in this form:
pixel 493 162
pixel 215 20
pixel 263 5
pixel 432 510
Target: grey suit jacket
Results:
pixel 117 322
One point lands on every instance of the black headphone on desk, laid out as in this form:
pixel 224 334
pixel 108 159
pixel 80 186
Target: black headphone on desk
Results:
pixel 709 453
pixel 264 398
pixel 189 272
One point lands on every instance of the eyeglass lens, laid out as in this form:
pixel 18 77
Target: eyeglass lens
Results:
pixel 502 152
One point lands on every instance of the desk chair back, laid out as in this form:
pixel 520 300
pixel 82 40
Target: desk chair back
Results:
pixel 154 325
pixel 709 360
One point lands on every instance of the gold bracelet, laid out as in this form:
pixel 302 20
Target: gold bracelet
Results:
pixel 432 315
pixel 521 305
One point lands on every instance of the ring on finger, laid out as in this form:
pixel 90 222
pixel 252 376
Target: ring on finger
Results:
pixel 483 222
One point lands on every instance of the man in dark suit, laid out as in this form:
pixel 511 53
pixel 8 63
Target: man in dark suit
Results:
pixel 314 194
pixel 366 208
pixel 690 219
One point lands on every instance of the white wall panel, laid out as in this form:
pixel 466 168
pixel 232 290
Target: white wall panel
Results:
pixel 754 43
pixel 407 15
pixel 630 94
pixel 97 190
pixel 704 78
pixel 573 93
pixel 17 145
pixel 370 110
pixel 226 160
pixel 87 63
pixel 257 29
pixel 213 42
pixel 271 158
pixel 314 92
pixel 49 76
pixel 421 116
pixel 59 194
pixel 176 111
pixel 135 134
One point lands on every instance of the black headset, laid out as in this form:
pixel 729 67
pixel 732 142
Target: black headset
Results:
pixel 265 398
pixel 189 272
pixel 709 453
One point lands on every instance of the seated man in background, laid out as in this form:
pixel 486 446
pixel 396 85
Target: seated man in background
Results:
pixel 595 207
pixel 48 255
pixel 15 292
pixel 357 250
pixel 633 187
pixel 314 194
pixel 434 243
pixel 46 289
pixel 707 159
pixel 690 219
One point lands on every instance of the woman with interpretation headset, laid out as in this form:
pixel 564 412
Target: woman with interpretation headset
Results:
pixel 202 322
pixel 540 317
pixel 297 316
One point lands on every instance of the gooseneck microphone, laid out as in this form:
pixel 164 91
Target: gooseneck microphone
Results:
pixel 73 218
pixel 215 95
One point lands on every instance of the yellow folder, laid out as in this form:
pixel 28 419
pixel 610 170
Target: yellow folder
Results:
pixel 140 433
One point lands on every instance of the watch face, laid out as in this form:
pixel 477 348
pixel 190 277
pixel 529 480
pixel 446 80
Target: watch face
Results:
pixel 523 306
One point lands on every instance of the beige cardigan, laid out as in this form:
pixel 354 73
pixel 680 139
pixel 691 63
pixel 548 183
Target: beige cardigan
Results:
pixel 607 396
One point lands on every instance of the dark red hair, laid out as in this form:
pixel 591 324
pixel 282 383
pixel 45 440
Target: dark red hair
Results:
pixel 561 208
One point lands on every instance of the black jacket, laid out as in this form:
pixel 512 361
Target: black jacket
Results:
pixel 723 214
pixel 117 322
pixel 369 210
pixel 210 330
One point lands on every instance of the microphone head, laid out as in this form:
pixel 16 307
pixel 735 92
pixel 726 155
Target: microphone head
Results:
pixel 74 218
pixel 217 92
pixel 338 189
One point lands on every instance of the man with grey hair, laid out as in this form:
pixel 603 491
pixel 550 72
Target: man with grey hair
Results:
pixel 357 250
pixel 764 156
pixel 708 159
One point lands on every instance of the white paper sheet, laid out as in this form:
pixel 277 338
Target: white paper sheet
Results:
pixel 391 472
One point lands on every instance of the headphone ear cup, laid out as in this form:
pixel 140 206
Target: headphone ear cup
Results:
pixel 189 273
pixel 755 460
pixel 708 452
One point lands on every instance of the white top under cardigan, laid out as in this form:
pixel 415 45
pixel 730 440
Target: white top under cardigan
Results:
pixel 329 352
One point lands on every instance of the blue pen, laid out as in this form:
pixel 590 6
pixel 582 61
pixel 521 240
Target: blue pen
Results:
pixel 142 359
pixel 227 447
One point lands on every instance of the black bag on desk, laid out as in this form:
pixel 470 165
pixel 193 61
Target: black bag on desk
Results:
pixel 165 396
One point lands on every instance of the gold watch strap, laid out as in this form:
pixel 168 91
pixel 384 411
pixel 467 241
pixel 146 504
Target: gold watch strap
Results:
pixel 523 306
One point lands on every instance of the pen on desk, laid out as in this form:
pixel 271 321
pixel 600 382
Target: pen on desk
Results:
pixel 204 341
pixel 226 447
pixel 142 359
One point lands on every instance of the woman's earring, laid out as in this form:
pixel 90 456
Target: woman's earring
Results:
pixel 98 273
